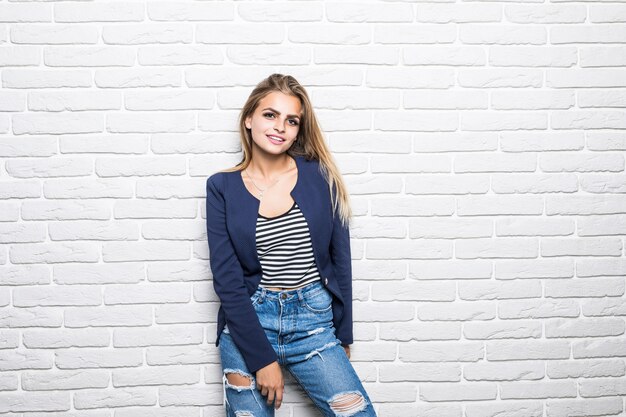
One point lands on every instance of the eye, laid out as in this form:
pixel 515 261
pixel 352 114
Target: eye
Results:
pixel 269 113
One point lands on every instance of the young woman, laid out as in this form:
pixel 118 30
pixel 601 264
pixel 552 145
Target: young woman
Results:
pixel 279 245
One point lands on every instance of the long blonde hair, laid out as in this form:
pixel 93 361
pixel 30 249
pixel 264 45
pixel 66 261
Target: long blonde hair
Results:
pixel 309 141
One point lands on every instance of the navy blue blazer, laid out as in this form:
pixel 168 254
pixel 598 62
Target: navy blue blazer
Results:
pixel 231 215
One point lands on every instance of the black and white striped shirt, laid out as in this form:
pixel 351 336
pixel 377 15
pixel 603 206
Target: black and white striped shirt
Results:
pixel 284 247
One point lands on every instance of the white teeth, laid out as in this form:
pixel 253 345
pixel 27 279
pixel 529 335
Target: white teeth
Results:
pixel 275 138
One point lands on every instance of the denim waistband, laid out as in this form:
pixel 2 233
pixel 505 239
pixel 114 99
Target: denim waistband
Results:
pixel 289 294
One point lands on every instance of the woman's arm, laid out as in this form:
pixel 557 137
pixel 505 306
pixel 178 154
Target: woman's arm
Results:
pixel 341 259
pixel 228 282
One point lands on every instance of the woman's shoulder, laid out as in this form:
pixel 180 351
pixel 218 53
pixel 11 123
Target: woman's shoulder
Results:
pixel 216 177
pixel 309 164
pixel 219 179
pixel 224 173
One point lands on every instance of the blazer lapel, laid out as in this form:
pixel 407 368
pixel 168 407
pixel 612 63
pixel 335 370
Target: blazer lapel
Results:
pixel 244 211
pixel 311 199
pixel 246 208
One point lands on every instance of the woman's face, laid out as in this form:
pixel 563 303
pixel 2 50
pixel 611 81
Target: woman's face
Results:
pixel 276 117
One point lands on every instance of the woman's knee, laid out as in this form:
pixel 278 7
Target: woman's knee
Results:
pixel 348 403
pixel 238 379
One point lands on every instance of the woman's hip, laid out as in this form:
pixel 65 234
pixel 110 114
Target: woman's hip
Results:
pixel 297 322
pixel 294 312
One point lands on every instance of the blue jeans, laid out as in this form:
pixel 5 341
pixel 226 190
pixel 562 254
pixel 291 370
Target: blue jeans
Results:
pixel 298 324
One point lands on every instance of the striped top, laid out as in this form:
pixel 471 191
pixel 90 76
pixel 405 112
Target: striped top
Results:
pixel 284 247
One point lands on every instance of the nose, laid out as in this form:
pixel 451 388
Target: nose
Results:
pixel 277 126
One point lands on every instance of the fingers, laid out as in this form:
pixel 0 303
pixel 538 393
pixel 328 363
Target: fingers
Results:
pixel 271 383
pixel 274 395
pixel 279 397
pixel 270 396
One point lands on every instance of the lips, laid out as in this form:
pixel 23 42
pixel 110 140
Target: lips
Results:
pixel 275 139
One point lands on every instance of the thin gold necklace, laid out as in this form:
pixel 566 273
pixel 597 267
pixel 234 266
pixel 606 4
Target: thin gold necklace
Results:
pixel 269 186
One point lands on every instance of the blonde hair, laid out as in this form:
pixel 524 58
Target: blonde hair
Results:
pixel 309 141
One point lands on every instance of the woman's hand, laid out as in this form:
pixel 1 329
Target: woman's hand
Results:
pixel 347 349
pixel 269 380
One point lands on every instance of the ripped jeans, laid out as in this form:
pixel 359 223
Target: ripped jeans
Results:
pixel 298 324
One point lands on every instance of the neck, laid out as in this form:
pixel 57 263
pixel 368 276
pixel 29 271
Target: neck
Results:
pixel 268 166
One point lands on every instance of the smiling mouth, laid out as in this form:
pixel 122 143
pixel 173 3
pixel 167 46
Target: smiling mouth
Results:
pixel 275 139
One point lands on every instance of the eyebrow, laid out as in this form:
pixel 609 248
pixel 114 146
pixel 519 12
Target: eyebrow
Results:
pixel 277 112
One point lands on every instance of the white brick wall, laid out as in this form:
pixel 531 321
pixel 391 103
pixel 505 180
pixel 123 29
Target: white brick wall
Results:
pixel 482 142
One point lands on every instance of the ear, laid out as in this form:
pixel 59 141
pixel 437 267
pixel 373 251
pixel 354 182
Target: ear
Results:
pixel 248 122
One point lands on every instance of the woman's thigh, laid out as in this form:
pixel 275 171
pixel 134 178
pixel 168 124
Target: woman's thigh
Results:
pixel 240 397
pixel 316 359
pixel 332 383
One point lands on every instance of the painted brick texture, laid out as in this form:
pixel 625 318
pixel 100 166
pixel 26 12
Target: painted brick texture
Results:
pixel 482 142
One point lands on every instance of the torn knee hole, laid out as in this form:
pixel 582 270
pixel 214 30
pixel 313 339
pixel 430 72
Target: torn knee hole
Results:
pixel 348 404
pixel 238 380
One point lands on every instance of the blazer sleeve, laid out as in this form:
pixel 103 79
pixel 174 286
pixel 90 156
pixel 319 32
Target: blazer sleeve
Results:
pixel 342 263
pixel 228 282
